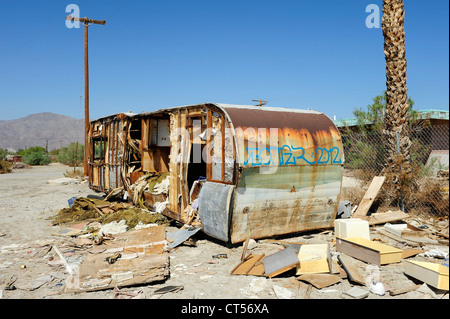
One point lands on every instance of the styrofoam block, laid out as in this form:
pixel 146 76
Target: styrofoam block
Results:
pixel 353 227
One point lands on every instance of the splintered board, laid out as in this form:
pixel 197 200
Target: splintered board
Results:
pixel 435 275
pixel 252 265
pixel 370 196
pixel 369 251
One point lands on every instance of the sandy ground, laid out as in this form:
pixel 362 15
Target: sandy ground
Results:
pixel 27 201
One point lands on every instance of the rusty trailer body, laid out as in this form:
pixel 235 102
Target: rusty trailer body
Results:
pixel 263 171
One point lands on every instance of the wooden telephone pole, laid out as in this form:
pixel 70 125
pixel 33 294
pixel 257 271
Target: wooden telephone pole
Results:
pixel 86 22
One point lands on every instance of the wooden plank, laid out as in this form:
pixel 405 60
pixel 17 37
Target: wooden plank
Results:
pixel 370 196
pixel 352 271
pixel 245 267
pixel 173 185
pixel 222 128
pixel 209 127
pixel 383 218
pixel 185 152
pixel 258 269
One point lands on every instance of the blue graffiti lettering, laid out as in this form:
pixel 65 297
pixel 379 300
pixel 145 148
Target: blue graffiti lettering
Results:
pixel 257 156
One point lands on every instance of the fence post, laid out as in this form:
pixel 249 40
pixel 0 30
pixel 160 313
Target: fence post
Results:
pixel 402 201
pixel 76 151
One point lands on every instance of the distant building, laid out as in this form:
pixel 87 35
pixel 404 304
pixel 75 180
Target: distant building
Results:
pixel 14 158
pixel 435 117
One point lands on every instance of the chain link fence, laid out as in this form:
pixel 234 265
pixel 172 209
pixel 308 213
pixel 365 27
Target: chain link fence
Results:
pixel 428 190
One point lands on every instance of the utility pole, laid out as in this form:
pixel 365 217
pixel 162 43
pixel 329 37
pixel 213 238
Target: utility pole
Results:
pixel 86 22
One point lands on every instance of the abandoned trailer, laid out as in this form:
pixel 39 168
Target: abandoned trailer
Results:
pixel 242 170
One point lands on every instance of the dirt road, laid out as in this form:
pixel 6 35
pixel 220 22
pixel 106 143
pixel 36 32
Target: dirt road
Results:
pixel 27 201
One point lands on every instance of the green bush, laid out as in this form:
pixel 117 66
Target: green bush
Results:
pixel 3 154
pixel 67 154
pixel 35 156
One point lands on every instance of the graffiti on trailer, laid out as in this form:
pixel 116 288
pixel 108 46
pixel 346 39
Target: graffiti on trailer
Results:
pixel 291 155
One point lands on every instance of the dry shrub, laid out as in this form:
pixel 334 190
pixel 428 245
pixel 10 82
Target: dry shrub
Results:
pixel 73 174
pixel 410 189
pixel 433 194
pixel 5 167
pixel 353 194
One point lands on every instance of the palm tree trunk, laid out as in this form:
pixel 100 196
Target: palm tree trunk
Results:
pixel 398 142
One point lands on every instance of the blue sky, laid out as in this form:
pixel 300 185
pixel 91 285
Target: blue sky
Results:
pixel 154 54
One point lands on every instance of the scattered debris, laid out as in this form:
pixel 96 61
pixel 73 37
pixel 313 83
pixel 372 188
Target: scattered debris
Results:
pixel 220 256
pixel 377 288
pixel 320 280
pixel 106 212
pixel 283 293
pixel 114 244
pixel 180 236
pixel 357 293
pixel 388 217
pixel 120 294
pixel 168 289
pixel 403 290
pixel 142 260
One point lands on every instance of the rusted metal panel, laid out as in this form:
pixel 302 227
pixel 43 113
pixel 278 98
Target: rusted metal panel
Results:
pixel 295 198
pixel 291 174
pixel 214 209
pixel 283 138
